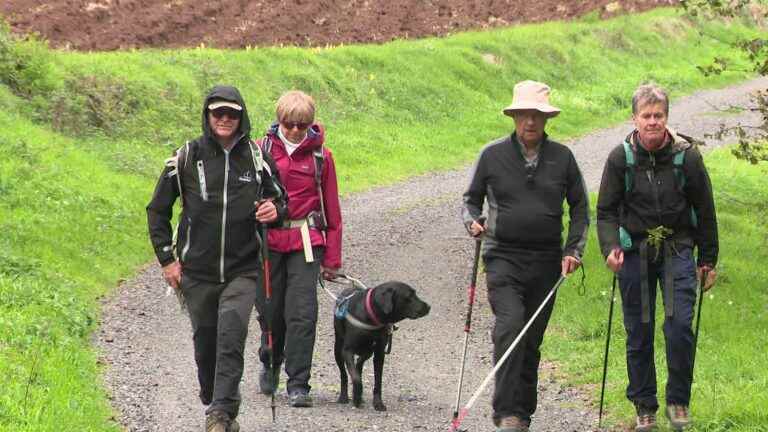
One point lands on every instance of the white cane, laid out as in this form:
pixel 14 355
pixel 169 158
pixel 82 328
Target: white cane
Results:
pixel 465 410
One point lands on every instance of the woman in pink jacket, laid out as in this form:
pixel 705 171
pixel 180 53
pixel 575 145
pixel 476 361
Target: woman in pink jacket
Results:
pixel 307 243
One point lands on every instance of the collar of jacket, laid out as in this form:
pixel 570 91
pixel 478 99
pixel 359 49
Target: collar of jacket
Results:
pixel 518 145
pixel 676 143
pixel 212 147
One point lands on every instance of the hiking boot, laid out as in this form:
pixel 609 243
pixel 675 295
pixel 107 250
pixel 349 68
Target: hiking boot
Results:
pixel 299 399
pixel 512 424
pixel 646 419
pixel 678 416
pixel 218 421
pixel 269 378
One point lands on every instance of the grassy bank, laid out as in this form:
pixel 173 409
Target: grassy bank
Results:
pixel 730 379
pixel 82 136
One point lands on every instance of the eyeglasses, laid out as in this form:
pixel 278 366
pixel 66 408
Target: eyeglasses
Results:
pixel 229 112
pixel 291 125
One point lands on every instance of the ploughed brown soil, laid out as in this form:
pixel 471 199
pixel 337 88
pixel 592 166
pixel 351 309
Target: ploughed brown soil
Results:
pixel 120 24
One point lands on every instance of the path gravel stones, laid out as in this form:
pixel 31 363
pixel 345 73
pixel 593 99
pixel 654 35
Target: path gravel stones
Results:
pixel 410 232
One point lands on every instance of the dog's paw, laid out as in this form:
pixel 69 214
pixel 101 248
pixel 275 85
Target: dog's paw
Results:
pixel 343 399
pixel 358 403
pixel 378 405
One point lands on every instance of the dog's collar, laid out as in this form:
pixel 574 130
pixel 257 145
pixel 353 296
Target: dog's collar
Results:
pixel 369 308
pixel 377 324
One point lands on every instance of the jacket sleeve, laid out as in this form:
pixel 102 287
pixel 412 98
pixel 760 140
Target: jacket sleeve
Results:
pixel 273 188
pixel 160 212
pixel 699 192
pixel 333 232
pixel 474 196
pixel 609 202
pixel 578 204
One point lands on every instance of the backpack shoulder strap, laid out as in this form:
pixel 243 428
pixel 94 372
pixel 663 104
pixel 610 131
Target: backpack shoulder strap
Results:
pixel 678 168
pixel 177 163
pixel 258 158
pixel 318 156
pixel 629 171
pixel 319 162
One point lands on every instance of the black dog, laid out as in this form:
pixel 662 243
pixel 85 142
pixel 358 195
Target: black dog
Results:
pixel 363 324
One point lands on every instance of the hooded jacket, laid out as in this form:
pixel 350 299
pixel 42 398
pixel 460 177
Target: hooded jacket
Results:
pixel 297 172
pixel 656 197
pixel 217 238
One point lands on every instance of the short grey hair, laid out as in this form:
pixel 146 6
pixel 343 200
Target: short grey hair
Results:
pixel 649 94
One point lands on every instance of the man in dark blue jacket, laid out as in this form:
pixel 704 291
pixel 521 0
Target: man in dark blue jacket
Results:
pixel 655 206
pixel 525 177
pixel 226 185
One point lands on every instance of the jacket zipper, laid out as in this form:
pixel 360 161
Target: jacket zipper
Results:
pixel 224 216
pixel 201 179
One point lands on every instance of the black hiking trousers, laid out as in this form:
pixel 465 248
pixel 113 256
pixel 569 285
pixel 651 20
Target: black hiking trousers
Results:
pixel 517 284
pixel 220 313
pixel 678 333
pixel 293 310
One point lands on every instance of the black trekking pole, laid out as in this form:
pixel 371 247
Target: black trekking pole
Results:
pixel 267 307
pixel 605 357
pixel 702 282
pixel 467 327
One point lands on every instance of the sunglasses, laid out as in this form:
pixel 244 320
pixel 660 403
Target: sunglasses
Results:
pixel 291 125
pixel 229 112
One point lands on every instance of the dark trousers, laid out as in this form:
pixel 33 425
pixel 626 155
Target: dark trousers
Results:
pixel 220 315
pixel 293 313
pixel 677 328
pixel 517 285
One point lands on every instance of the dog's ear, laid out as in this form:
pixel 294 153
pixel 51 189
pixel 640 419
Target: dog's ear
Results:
pixel 386 301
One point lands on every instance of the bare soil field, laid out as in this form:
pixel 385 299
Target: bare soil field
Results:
pixel 124 24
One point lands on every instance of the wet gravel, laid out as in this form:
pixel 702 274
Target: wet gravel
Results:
pixel 409 232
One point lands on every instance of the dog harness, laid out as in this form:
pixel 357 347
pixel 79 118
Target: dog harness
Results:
pixel 341 311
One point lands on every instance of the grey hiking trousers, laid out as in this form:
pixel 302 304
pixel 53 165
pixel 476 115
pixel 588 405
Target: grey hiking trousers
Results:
pixel 220 313
pixel 293 309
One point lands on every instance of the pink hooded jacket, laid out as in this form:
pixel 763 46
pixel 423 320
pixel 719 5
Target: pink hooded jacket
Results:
pixel 297 173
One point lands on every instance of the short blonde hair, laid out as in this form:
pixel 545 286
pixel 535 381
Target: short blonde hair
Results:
pixel 295 106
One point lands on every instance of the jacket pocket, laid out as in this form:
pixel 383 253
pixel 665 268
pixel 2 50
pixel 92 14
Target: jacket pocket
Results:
pixel 185 239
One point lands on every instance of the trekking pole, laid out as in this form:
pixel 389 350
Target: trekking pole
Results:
pixel 605 357
pixel 267 305
pixel 698 318
pixel 465 410
pixel 467 325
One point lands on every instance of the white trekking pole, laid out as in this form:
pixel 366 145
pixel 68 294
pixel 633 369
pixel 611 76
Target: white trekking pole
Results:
pixel 465 410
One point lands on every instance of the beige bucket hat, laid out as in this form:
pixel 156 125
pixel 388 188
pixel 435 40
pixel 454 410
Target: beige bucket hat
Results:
pixel 531 95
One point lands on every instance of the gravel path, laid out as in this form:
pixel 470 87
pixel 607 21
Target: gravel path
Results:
pixel 409 232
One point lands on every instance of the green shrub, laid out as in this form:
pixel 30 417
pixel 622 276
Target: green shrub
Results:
pixel 25 64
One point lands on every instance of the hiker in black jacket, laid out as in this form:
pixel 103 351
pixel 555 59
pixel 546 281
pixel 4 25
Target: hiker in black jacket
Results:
pixel 525 178
pixel 226 185
pixel 655 206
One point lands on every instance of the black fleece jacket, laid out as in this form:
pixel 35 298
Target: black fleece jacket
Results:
pixel 525 207
pixel 217 238
pixel 657 198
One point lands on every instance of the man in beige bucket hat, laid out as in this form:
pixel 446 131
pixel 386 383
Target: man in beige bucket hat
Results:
pixel 524 177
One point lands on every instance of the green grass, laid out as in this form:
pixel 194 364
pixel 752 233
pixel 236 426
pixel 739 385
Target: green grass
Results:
pixel 730 379
pixel 83 135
